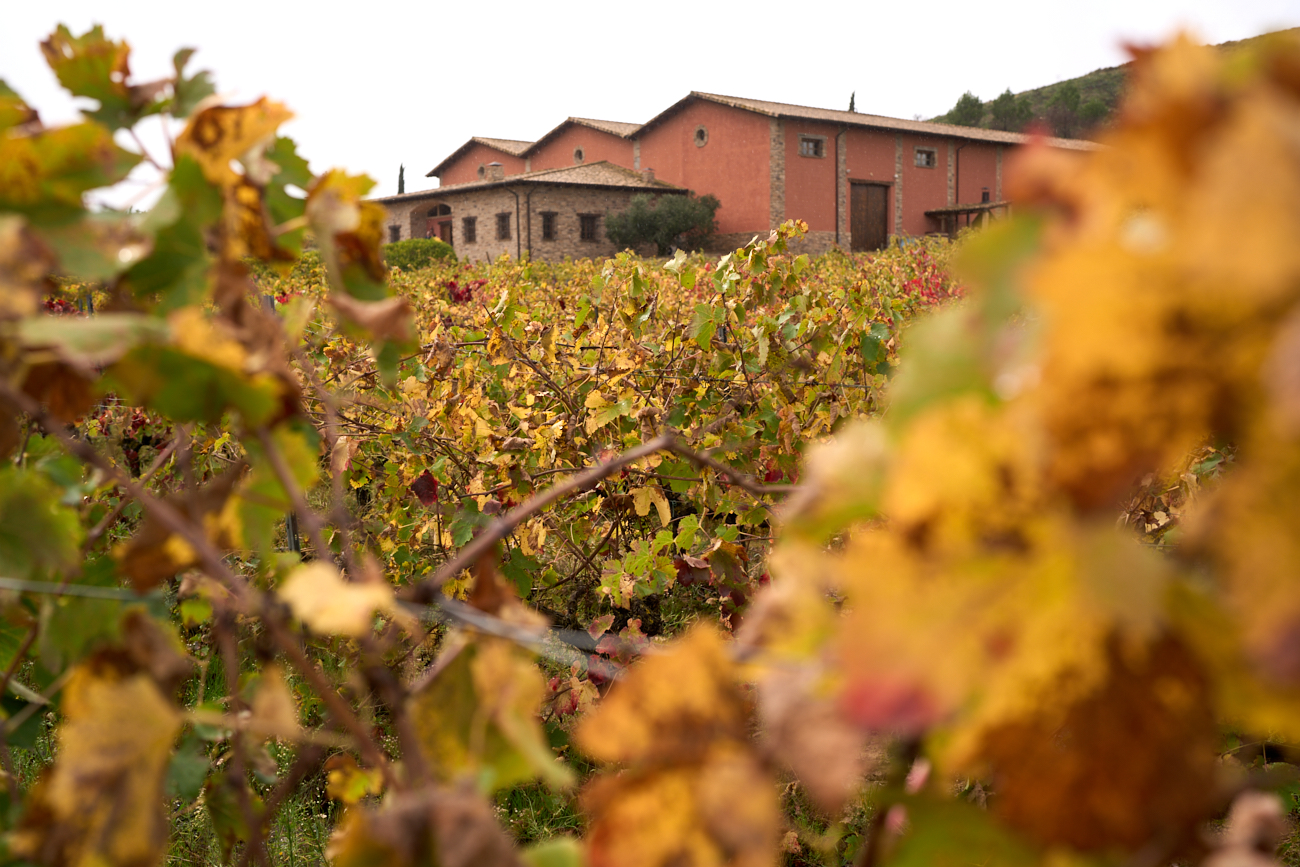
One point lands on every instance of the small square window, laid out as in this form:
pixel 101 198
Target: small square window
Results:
pixel 548 225
pixel 394 234
pixel 587 226
pixel 503 226
pixel 812 146
pixel 926 158
pixel 469 229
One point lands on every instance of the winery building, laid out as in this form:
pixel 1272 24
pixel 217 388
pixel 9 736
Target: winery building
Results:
pixel 856 179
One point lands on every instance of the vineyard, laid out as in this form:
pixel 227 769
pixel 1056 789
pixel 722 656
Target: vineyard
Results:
pixel 699 561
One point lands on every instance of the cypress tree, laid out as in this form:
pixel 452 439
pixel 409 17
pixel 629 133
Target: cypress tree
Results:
pixel 401 179
pixel 852 99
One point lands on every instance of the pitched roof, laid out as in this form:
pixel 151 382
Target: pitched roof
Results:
pixel 601 174
pixel 612 127
pixel 510 146
pixel 853 118
pixel 514 147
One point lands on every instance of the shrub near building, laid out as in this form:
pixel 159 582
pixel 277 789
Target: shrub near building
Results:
pixel 672 221
pixel 415 253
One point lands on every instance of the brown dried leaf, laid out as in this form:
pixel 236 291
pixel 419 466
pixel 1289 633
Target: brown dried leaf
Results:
pixel 102 802
pixel 11 433
pixel 1282 376
pixel 155 554
pixel 64 390
pixel 26 264
pixel 489 593
pixel 446 827
pixel 1130 762
pixel 155 650
pixel 341 455
pixel 350 230
pixel 806 732
pixel 389 319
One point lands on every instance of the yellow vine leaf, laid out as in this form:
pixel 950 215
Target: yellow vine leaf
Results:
pixel 274 711
pixel 102 802
pixel 477 717
pixel 346 781
pixel 990 604
pixel 691 791
pixel 219 134
pixel 648 495
pixel 320 598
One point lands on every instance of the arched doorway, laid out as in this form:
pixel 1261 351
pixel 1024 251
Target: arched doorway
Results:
pixel 439 223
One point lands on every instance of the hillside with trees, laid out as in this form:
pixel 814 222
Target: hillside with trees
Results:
pixel 1070 109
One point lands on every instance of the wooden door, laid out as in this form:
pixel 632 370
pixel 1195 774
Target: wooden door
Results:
pixel 444 231
pixel 868 216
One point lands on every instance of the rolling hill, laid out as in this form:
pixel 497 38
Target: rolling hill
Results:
pixel 1103 86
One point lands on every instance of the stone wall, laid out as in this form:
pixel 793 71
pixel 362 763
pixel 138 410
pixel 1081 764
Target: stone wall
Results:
pixel 411 216
pixel 568 203
pixel 728 242
pixel 776 173
pixel 898 187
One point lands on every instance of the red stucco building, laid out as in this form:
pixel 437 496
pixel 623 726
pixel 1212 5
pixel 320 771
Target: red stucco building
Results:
pixel 856 179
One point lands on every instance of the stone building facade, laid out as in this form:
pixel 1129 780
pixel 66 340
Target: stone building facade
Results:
pixel 546 215
pixel 858 180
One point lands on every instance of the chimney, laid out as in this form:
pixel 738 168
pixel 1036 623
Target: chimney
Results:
pixel 496 172
pixel 648 175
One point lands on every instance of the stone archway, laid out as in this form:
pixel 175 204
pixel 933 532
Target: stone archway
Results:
pixel 438 222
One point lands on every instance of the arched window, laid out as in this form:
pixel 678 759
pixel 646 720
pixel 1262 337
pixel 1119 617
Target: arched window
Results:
pixel 482 172
pixel 701 136
pixel 577 155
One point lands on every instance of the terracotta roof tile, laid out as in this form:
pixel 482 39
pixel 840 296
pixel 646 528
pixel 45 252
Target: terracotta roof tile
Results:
pixel 600 174
pixel 853 118
pixel 514 147
pixel 613 127
pixel 511 146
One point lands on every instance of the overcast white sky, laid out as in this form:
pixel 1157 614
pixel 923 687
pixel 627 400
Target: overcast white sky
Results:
pixel 377 84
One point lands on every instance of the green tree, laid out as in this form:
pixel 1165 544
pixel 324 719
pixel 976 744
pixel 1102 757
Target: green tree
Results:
pixel 968 111
pixel 672 221
pixel 1093 113
pixel 853 101
pixel 1063 110
pixel 401 179
pixel 1009 113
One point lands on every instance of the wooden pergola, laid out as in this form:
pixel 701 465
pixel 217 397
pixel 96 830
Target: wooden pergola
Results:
pixel 950 218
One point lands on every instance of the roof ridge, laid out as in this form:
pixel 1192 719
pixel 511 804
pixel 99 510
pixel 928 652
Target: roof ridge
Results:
pixel 865 119
pixel 540 175
pixel 487 141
